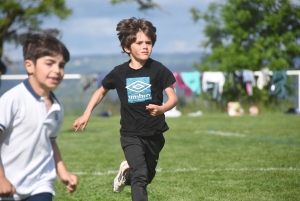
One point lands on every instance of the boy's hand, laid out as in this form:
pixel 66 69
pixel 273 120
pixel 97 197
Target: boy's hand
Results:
pixel 154 110
pixel 70 181
pixel 81 121
pixel 6 188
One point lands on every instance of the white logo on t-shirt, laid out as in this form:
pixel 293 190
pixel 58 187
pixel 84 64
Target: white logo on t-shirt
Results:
pixel 138 89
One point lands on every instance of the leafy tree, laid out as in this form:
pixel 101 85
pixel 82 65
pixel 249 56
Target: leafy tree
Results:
pixel 251 35
pixel 20 16
pixel 254 34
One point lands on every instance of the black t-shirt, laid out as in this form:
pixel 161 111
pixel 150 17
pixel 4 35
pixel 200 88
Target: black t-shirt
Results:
pixel 2 67
pixel 137 89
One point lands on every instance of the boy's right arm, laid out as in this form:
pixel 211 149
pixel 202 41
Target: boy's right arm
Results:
pixel 6 188
pixel 95 100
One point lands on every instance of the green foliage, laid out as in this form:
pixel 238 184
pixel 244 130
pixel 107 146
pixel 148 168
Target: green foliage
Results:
pixel 210 157
pixel 19 16
pixel 250 35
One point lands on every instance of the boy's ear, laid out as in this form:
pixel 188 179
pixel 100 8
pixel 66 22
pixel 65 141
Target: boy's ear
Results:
pixel 29 65
pixel 127 50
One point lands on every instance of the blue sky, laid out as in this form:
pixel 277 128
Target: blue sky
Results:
pixel 91 29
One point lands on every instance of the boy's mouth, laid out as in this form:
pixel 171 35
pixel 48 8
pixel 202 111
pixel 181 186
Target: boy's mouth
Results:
pixel 54 80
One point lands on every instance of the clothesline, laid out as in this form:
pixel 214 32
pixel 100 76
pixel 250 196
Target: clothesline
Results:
pixel 78 76
pixel 289 72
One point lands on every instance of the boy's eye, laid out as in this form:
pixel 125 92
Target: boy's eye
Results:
pixel 62 65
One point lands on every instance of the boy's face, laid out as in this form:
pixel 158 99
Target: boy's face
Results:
pixel 47 73
pixel 141 49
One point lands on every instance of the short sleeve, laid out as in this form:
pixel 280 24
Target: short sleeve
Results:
pixel 167 78
pixel 109 81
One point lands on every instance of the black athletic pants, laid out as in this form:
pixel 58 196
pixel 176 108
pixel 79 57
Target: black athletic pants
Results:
pixel 142 155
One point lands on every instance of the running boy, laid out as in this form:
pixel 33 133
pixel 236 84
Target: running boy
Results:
pixel 140 83
pixel 30 120
pixel 2 69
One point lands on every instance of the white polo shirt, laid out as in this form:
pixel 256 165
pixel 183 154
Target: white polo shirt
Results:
pixel 25 144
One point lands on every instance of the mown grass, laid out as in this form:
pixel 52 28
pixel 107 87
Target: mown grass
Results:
pixel 210 157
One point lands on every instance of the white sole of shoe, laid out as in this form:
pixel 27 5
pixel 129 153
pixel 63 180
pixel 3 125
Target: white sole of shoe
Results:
pixel 115 187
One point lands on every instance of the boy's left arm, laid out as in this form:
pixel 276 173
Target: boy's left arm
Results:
pixel 67 178
pixel 156 110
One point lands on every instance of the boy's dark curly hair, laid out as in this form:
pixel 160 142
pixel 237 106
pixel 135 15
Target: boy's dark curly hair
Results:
pixel 128 28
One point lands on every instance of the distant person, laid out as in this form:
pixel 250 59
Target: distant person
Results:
pixel 140 83
pixel 30 120
pixel 2 69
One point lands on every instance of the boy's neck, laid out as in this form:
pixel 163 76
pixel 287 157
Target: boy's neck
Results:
pixel 134 64
pixel 39 90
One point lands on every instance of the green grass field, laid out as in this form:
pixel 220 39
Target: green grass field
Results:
pixel 210 157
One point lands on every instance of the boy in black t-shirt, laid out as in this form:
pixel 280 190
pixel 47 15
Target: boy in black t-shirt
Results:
pixel 2 70
pixel 140 83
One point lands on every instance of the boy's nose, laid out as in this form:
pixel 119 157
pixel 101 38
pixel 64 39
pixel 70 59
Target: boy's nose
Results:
pixel 56 68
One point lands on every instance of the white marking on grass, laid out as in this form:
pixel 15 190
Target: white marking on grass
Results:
pixel 97 173
pixel 109 172
pixel 185 169
pixel 79 173
pixel 255 169
pixel 222 133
